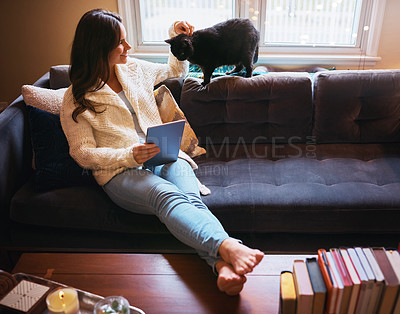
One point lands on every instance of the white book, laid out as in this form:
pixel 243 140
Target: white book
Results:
pixel 339 281
pixel 371 279
pixel 379 284
pixel 394 259
pixel 366 286
pixel 354 278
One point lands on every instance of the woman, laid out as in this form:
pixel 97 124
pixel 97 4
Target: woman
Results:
pixel 105 115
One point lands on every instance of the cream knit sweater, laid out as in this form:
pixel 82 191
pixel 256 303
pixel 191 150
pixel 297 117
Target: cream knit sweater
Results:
pixel 103 142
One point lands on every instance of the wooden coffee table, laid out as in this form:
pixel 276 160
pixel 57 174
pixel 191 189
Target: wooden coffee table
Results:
pixel 161 283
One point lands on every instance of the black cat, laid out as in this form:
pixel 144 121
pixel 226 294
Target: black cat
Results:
pixel 234 42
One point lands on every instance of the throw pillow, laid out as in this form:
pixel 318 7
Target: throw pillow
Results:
pixel 170 111
pixel 55 168
pixel 49 100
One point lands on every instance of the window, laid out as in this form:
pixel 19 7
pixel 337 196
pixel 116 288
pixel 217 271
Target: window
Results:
pixel 334 32
pixel 311 23
pixel 157 16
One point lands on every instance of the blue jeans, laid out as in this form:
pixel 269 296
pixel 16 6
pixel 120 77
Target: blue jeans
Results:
pixel 171 193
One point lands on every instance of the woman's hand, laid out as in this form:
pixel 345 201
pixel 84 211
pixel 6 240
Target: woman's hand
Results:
pixel 143 152
pixel 183 27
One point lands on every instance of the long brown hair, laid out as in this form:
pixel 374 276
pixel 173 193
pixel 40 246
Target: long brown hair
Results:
pixel 98 32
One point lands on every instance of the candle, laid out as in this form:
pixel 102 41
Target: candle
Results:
pixel 63 300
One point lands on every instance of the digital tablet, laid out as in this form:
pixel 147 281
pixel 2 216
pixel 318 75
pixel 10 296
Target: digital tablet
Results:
pixel 168 138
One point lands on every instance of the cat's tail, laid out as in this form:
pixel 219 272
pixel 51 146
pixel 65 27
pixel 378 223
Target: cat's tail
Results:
pixel 255 57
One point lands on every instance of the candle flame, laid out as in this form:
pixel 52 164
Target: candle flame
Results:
pixel 61 295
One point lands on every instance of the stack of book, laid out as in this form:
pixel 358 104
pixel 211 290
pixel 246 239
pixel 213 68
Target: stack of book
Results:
pixel 343 280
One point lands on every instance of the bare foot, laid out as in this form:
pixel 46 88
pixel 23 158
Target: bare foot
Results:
pixel 228 281
pixel 242 258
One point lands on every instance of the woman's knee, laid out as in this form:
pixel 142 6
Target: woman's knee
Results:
pixel 179 168
pixel 166 195
pixel 167 187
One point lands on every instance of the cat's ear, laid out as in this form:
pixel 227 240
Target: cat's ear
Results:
pixel 168 41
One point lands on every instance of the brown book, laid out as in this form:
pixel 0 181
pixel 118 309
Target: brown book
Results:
pixel 304 291
pixel 391 289
pixel 287 293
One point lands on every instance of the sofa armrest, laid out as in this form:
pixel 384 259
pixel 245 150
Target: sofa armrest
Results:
pixel 174 85
pixel 16 149
pixel 15 152
pixel 44 81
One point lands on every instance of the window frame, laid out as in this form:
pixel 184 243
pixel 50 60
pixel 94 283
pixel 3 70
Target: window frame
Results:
pixel 364 54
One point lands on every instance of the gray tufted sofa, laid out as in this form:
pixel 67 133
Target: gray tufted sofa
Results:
pixel 297 154
pixel 294 161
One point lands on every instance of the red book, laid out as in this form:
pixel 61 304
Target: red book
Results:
pixel 355 279
pixel 344 275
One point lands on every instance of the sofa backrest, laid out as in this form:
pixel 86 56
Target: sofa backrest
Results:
pixel 59 76
pixel 272 108
pixel 357 106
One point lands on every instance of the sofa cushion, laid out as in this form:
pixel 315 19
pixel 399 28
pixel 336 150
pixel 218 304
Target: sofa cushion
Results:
pixel 83 207
pixel 296 193
pixel 358 106
pixel 274 107
pixel 55 168
pixel 304 194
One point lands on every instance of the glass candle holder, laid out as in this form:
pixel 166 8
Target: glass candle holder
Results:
pixel 112 305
